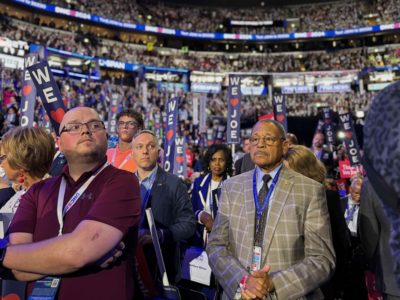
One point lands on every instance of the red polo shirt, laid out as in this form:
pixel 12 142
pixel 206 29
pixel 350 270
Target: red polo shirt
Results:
pixel 112 198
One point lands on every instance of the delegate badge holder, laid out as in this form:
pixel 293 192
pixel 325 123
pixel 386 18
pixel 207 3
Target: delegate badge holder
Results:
pixel 256 259
pixel 45 289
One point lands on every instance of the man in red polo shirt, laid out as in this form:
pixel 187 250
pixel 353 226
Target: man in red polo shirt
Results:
pixel 68 225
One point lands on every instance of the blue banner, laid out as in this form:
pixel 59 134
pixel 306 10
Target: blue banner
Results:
pixel 180 166
pixel 329 129
pixel 334 88
pixel 170 134
pixel 48 92
pixel 350 139
pixel 28 98
pixel 119 65
pixel 279 106
pixel 209 35
pixel 234 98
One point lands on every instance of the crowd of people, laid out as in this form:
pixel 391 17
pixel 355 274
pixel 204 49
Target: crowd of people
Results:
pixel 97 94
pixel 267 219
pixel 350 59
pixel 310 17
pixel 207 215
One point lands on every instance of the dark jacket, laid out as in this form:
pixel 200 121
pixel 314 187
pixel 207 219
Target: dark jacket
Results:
pixel 173 213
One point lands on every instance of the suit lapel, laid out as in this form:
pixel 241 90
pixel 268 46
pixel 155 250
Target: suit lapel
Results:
pixel 157 184
pixel 204 189
pixel 277 204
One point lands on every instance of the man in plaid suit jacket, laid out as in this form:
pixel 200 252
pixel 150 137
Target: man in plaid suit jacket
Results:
pixel 297 255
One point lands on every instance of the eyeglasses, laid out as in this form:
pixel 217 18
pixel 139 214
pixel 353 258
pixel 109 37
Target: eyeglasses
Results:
pixel 149 147
pixel 2 158
pixel 76 128
pixel 129 124
pixel 268 140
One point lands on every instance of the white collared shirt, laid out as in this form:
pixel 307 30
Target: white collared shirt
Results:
pixel 352 223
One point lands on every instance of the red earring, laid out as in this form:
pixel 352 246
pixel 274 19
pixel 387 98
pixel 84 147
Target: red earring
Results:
pixel 21 179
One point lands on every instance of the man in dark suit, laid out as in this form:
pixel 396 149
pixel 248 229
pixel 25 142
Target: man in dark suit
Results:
pixel 169 200
pixel 355 287
pixel 374 230
pixel 322 153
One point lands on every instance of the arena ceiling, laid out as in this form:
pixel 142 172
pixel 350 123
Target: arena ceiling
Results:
pixel 244 3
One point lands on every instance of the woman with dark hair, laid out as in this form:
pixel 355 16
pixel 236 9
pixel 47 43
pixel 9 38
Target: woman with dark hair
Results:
pixel 217 164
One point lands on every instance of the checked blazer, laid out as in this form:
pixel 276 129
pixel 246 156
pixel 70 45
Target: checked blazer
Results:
pixel 297 240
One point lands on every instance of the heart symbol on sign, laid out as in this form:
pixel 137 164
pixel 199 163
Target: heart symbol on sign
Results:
pixel 280 118
pixel 179 159
pixel 349 134
pixel 170 133
pixel 57 115
pixel 113 109
pixel 10 297
pixel 234 101
pixel 27 90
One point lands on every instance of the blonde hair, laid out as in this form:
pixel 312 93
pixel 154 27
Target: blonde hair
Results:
pixel 30 149
pixel 303 160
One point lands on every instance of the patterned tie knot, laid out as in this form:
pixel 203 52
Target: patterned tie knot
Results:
pixel 266 178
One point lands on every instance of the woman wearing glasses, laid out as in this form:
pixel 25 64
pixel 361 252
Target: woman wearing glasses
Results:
pixel 26 156
pixel 218 165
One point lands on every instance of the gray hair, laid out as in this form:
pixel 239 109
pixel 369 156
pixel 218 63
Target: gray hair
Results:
pixel 278 125
pixel 155 138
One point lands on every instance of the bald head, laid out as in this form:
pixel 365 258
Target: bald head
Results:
pixel 85 143
pixel 74 115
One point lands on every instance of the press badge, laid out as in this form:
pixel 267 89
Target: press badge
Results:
pixel 45 289
pixel 256 261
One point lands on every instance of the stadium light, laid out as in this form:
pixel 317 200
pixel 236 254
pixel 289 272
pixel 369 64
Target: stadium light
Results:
pixel 341 135
pixel 360 114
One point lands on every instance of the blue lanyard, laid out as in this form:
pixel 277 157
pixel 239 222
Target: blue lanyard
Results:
pixel 259 211
pixel 351 212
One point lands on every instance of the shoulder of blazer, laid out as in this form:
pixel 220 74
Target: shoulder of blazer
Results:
pixel 297 178
pixel 164 177
pixel 239 179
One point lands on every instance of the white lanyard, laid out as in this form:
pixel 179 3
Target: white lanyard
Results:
pixel 56 155
pixel 128 157
pixel 61 193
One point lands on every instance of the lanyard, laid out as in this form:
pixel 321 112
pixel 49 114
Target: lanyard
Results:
pixel 61 193
pixel 350 212
pixel 128 157
pixel 259 211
